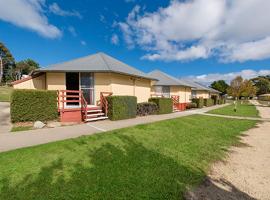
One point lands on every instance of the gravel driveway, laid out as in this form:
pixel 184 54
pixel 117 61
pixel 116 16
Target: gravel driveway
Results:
pixel 245 173
pixel 5 125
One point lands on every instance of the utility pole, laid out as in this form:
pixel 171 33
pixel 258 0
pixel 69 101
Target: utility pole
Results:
pixel 1 69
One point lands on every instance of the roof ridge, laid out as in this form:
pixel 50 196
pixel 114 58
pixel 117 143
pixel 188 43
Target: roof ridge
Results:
pixel 101 55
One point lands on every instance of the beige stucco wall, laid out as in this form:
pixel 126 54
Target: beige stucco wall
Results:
pixel 56 81
pixel 128 85
pixel 184 93
pixel 202 94
pixel 35 83
pixel 142 90
pixel 102 84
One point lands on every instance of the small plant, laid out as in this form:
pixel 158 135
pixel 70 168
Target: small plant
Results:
pixel 147 108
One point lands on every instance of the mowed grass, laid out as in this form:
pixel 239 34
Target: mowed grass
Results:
pixel 243 110
pixel 5 93
pixel 153 161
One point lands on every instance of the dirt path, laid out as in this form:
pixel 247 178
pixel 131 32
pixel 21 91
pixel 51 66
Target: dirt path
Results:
pixel 246 173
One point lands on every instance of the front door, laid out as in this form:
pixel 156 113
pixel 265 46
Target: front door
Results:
pixel 72 83
pixel 87 87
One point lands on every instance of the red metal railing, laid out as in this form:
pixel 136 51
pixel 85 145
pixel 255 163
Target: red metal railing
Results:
pixel 71 96
pixel 104 102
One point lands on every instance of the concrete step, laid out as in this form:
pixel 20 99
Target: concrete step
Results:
pixel 95 114
pixel 95 119
pixel 94 111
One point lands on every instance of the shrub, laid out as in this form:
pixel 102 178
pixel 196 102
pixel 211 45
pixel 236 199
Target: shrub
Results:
pixel 264 98
pixel 221 101
pixel 165 105
pixel 147 108
pixel 122 107
pixel 33 105
pixel 191 105
pixel 208 102
pixel 199 102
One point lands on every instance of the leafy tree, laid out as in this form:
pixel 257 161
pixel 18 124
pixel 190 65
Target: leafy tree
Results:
pixel 220 85
pixel 248 89
pixel 24 67
pixel 235 88
pixel 7 63
pixel 262 83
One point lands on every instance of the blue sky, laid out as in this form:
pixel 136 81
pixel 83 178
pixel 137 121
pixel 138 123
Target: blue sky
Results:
pixel 166 35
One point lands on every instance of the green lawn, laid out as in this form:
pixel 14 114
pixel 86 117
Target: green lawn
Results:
pixel 243 110
pixel 152 161
pixel 5 93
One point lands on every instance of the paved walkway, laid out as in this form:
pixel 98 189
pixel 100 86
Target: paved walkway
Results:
pixel 5 125
pixel 245 174
pixel 237 117
pixel 10 141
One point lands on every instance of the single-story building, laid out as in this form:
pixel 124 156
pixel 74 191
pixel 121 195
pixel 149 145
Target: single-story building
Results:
pixel 170 87
pixel 200 91
pixel 91 76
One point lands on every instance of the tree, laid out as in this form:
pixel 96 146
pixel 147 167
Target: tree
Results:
pixel 7 62
pixel 220 85
pixel 248 89
pixel 235 88
pixel 24 67
pixel 262 83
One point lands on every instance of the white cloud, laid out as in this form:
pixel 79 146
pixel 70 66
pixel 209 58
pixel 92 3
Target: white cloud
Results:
pixel 28 14
pixel 55 9
pixel 246 74
pixel 83 43
pixel 231 30
pixel 114 39
pixel 72 30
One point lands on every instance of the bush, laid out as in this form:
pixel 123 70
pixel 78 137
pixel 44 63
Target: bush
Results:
pixel 33 105
pixel 147 108
pixel 122 107
pixel 221 101
pixel 165 105
pixel 199 102
pixel 208 102
pixel 191 105
pixel 264 98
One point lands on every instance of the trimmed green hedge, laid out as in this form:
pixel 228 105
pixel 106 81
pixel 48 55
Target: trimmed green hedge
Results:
pixel 122 107
pixel 147 108
pixel 199 102
pixel 191 105
pixel 208 102
pixel 33 105
pixel 165 105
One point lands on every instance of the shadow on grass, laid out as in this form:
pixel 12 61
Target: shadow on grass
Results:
pixel 217 189
pixel 129 171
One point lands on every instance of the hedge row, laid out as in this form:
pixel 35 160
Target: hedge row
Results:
pixel 165 105
pixel 147 108
pixel 199 102
pixel 208 102
pixel 122 107
pixel 33 105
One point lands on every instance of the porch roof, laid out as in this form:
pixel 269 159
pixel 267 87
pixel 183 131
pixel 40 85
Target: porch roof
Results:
pixel 99 62
pixel 167 80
